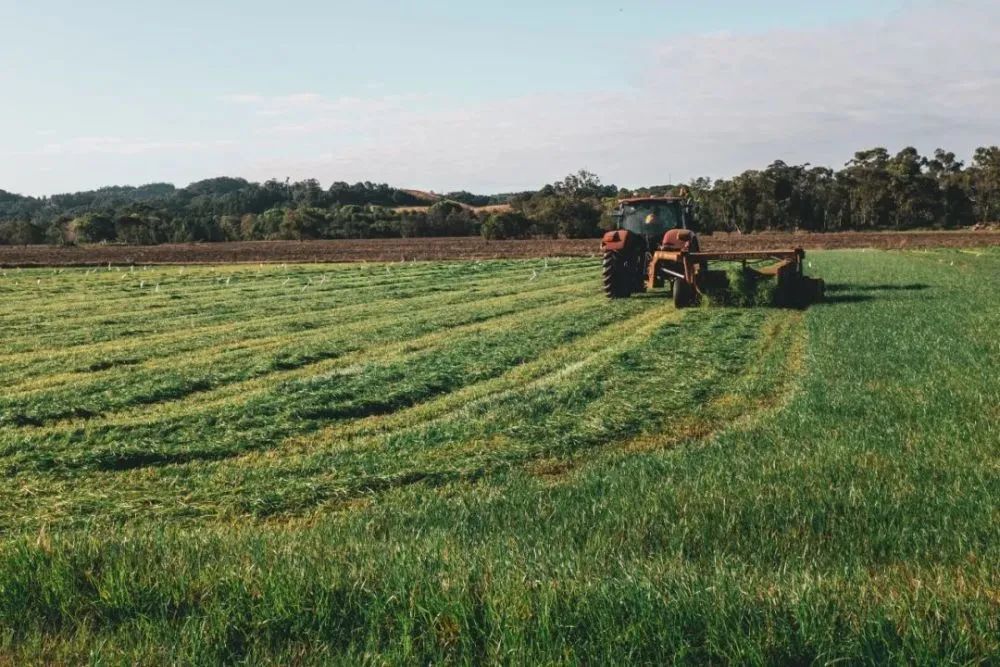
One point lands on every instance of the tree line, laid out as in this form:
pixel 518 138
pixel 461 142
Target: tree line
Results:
pixel 875 190
pixel 227 209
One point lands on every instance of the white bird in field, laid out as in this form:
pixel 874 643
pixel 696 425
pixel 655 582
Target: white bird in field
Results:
pixel 534 274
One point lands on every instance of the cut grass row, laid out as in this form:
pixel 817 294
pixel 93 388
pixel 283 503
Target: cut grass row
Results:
pixel 298 404
pixel 299 312
pixel 535 411
pixel 196 357
pixel 226 311
pixel 149 415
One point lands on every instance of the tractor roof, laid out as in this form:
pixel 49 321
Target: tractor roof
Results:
pixel 652 200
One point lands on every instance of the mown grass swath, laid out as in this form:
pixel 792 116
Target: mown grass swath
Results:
pixel 490 462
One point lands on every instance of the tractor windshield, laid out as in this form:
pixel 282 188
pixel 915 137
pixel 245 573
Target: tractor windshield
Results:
pixel 637 218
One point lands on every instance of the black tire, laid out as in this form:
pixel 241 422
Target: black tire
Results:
pixel 619 280
pixel 683 293
pixel 640 271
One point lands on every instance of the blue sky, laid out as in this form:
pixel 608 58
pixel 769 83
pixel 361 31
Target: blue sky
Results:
pixel 487 97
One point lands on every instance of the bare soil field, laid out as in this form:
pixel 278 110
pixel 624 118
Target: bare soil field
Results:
pixel 394 250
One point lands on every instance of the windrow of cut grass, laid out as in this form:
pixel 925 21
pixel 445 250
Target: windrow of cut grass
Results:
pixel 223 318
pixel 301 403
pixel 535 410
pixel 552 479
pixel 112 386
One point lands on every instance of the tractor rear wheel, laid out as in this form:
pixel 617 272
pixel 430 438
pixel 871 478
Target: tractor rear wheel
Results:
pixel 619 278
pixel 639 272
pixel 683 293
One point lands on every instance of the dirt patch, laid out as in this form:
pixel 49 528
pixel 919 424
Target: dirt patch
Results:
pixel 395 250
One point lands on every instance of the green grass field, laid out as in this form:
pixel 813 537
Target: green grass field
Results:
pixel 490 462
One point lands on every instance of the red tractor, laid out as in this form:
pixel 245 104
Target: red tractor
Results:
pixel 654 244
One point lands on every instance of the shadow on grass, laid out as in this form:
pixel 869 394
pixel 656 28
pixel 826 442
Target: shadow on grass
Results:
pixel 655 294
pixel 834 293
pixel 719 300
pixel 850 293
pixel 846 298
pixel 845 287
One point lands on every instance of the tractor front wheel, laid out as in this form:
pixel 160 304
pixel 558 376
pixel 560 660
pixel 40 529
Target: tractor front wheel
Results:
pixel 619 278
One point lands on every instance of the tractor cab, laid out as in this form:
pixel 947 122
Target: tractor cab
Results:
pixel 644 225
pixel 652 217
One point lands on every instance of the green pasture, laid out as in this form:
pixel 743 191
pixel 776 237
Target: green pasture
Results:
pixel 490 462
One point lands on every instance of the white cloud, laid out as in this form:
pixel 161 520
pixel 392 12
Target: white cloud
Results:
pixel 242 98
pixel 276 102
pixel 711 104
pixel 122 146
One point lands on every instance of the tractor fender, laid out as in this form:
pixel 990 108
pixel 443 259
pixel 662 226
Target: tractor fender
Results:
pixel 680 239
pixel 616 239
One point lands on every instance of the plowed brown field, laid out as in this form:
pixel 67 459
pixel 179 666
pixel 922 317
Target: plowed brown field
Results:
pixel 395 250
